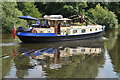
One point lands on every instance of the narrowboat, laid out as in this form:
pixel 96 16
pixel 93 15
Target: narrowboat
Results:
pixel 55 28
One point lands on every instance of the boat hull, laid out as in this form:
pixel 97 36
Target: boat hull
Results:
pixel 40 39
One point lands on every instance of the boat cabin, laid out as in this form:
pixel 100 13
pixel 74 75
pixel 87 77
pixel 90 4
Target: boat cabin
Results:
pixel 53 28
pixel 52 24
pixel 61 26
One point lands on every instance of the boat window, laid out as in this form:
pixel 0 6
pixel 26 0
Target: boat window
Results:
pixel 82 50
pixel 41 31
pixel 102 28
pixel 90 29
pixel 74 50
pixel 74 31
pixel 90 50
pixel 83 30
pixel 95 49
pixel 48 31
pixel 96 29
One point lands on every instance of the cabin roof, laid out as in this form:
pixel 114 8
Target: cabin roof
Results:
pixel 53 19
pixel 62 19
pixel 53 16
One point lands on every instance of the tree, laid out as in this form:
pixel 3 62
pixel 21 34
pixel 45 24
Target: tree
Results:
pixel 75 8
pixel 115 7
pixel 111 6
pixel 9 17
pixel 30 9
pixel 66 9
pixel 103 16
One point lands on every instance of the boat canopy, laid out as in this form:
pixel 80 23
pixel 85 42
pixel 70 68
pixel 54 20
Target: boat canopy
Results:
pixel 27 17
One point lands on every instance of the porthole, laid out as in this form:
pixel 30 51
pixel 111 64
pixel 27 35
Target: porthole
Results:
pixel 90 29
pixel 96 29
pixel 48 31
pixel 83 50
pixel 41 31
pixel 95 49
pixel 74 31
pixel 83 30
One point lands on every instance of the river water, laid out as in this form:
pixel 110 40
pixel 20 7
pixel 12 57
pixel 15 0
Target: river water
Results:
pixel 92 58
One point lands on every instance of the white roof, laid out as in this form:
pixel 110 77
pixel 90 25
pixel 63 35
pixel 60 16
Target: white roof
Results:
pixel 63 19
pixel 53 16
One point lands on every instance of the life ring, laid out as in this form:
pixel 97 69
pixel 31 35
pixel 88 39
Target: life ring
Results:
pixel 34 31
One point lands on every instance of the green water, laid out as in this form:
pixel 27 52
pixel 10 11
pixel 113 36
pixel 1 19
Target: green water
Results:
pixel 93 58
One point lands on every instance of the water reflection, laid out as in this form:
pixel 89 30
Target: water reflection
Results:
pixel 77 59
pixel 114 53
pixel 113 46
pixel 92 58
pixel 49 57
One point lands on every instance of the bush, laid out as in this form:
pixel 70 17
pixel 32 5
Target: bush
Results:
pixel 102 16
pixel 9 17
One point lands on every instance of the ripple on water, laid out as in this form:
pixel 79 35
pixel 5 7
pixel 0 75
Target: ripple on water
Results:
pixel 8 44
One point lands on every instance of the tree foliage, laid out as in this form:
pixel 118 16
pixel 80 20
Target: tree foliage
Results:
pixel 30 9
pixel 115 7
pixel 111 6
pixel 99 12
pixel 63 8
pixel 102 16
pixel 9 17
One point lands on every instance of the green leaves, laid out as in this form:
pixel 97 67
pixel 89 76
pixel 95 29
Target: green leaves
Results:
pixel 103 16
pixel 100 15
pixel 66 9
pixel 30 9
pixel 9 17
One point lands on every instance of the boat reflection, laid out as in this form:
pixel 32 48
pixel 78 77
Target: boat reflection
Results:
pixel 54 55
pixel 50 60
pixel 71 59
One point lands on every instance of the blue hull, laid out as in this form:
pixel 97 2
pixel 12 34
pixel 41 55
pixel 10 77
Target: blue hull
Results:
pixel 52 37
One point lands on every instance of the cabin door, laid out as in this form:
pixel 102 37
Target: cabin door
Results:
pixel 58 28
